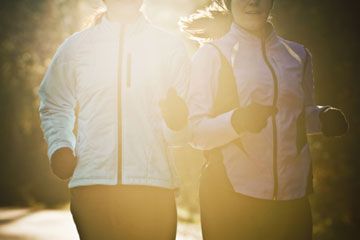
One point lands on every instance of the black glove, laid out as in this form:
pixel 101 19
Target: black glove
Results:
pixel 333 122
pixel 252 118
pixel 174 111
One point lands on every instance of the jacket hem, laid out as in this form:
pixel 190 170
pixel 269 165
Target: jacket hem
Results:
pixel 150 182
pixel 269 195
pixel 88 182
pixel 126 181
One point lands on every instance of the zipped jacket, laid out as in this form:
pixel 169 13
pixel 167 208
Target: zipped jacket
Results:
pixel 115 75
pixel 274 163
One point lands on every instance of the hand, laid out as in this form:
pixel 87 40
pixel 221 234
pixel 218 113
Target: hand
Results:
pixel 252 118
pixel 174 111
pixel 63 163
pixel 333 122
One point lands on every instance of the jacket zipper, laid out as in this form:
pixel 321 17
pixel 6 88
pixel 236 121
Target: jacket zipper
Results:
pixel 128 71
pixel 273 118
pixel 119 96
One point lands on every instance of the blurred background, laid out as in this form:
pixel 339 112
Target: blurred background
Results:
pixel 31 30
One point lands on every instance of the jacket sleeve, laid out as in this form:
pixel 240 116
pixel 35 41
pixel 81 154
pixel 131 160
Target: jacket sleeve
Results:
pixel 57 102
pixel 313 124
pixel 207 132
pixel 178 73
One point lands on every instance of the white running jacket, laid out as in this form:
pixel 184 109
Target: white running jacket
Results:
pixel 119 139
pixel 275 163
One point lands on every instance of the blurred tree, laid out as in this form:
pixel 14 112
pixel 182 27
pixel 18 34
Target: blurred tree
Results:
pixel 330 30
pixel 30 33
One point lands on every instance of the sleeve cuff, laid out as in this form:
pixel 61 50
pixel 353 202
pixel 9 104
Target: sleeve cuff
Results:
pixel 57 146
pixel 228 128
pixel 213 132
pixel 313 123
pixel 176 138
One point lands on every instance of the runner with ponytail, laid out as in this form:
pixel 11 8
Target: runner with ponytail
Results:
pixel 251 106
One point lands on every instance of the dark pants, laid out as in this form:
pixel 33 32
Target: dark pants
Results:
pixel 228 215
pixel 124 212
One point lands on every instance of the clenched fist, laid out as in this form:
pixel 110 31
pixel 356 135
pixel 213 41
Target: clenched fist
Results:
pixel 174 111
pixel 252 118
pixel 63 163
pixel 333 122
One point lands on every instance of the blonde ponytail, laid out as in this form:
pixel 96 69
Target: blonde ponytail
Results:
pixel 98 16
pixel 95 18
pixel 208 23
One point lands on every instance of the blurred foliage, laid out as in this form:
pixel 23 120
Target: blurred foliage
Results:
pixel 31 30
pixel 330 30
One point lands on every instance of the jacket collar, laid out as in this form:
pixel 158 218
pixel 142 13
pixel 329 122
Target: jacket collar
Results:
pixel 133 28
pixel 246 37
pixel 236 36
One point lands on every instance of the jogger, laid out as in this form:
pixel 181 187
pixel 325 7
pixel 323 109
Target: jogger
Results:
pixel 251 106
pixel 122 177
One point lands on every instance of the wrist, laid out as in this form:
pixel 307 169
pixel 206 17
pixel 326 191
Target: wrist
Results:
pixel 323 112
